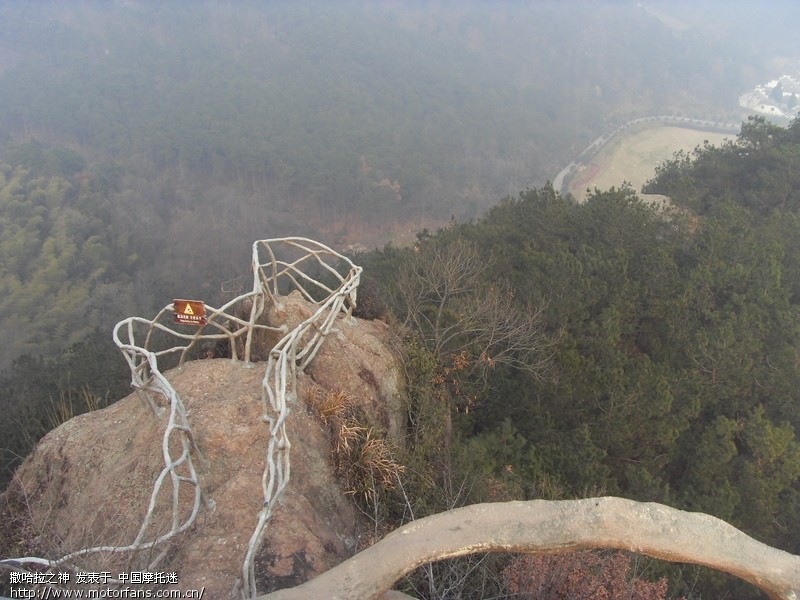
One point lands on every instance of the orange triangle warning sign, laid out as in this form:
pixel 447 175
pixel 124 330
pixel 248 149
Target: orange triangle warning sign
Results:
pixel 190 312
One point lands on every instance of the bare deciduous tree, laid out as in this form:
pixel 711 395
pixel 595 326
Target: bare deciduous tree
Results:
pixel 433 284
pixel 456 309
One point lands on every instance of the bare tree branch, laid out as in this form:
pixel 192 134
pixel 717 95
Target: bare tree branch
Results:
pixel 436 277
pixel 557 526
pixel 454 307
pixel 507 335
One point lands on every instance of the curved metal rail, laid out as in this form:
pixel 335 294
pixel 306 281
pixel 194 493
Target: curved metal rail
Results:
pixel 148 345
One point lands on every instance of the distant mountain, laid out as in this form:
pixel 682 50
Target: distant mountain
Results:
pixel 368 111
pixel 141 142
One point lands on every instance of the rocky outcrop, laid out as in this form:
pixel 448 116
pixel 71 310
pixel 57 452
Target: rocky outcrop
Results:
pixel 88 482
pixel 360 358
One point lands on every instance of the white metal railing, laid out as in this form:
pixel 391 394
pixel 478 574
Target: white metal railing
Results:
pixel 289 264
pixel 295 350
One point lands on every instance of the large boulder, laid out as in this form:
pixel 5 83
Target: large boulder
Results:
pixel 360 358
pixel 88 482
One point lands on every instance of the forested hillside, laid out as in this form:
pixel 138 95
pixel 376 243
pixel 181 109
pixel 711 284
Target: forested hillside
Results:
pixel 350 113
pixel 668 341
pixel 603 346
pixel 182 135
pixel 144 146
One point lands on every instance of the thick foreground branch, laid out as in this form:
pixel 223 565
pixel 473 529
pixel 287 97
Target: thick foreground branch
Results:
pixel 549 527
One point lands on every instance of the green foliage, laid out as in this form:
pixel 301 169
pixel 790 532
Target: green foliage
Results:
pixel 64 268
pixel 675 378
pixel 429 431
pixel 757 171
pixel 36 394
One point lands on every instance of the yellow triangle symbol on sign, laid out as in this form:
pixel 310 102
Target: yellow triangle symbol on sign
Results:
pixel 188 310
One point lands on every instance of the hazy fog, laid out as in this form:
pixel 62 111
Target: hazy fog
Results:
pixel 164 137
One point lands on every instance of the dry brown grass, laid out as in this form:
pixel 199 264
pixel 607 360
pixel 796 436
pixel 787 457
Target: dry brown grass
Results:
pixel 67 406
pixel 331 406
pixel 363 459
pixel 371 467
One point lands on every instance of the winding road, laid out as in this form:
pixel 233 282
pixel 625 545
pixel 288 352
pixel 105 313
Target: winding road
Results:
pixel 592 149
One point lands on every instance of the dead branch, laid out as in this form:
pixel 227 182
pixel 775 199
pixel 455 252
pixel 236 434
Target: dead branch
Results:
pixel 453 306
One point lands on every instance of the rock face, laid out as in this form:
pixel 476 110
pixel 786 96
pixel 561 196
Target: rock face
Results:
pixel 88 483
pixel 347 362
